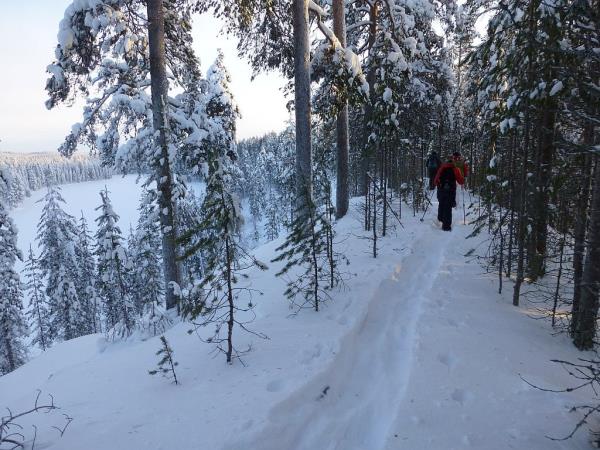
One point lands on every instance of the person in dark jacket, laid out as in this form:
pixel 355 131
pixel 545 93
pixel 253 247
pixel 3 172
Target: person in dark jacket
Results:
pixel 433 164
pixel 446 178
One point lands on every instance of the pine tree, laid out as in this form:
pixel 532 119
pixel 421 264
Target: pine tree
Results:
pixel 166 365
pixel 215 297
pixel 113 272
pixel 38 314
pixel 306 253
pixel 13 327
pixel 57 235
pixel 131 121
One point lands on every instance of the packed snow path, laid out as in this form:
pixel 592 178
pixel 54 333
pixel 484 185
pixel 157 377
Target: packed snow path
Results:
pixel 434 364
pixel 356 397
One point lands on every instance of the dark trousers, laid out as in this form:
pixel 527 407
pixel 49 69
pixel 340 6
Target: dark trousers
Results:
pixel 432 174
pixel 447 200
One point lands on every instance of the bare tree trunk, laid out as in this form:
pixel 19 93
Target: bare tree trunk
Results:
pixel 587 313
pixel 302 104
pixel 160 88
pixel 342 195
pixel 230 300
pixel 374 218
pixel 559 276
pixel 581 224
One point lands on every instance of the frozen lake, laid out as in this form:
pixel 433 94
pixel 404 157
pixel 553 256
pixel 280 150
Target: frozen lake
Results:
pixel 81 198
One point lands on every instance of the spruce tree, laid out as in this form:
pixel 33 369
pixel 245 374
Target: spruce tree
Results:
pixel 86 280
pixel 57 236
pixel 13 326
pixel 113 268
pixel 38 314
pixel 146 283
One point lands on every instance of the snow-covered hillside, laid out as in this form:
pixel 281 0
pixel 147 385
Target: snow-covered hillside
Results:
pixel 417 351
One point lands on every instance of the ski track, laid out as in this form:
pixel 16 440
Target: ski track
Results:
pixel 337 410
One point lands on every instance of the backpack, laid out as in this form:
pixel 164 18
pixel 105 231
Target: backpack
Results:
pixel 433 162
pixel 447 179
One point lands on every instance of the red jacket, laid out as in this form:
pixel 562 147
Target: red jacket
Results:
pixel 457 173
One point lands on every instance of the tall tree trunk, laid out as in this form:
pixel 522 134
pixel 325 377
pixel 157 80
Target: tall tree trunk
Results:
pixel 581 223
pixel 521 220
pixel 160 88
pixel 342 196
pixel 302 104
pixel 587 313
pixel 541 191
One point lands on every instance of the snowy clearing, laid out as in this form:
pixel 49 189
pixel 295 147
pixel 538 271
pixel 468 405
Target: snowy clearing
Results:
pixel 418 351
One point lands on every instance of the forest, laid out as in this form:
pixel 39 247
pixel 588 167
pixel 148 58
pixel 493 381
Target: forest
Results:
pixel 375 87
pixel 24 173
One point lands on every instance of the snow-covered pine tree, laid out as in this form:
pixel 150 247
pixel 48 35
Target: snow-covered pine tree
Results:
pixel 146 283
pixel 13 326
pixel 57 237
pixel 113 268
pixel 38 314
pixel 121 50
pixel 86 280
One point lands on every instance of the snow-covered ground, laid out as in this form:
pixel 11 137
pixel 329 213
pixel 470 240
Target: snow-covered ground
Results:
pixel 418 351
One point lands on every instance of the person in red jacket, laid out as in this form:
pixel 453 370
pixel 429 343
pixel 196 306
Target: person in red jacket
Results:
pixel 445 180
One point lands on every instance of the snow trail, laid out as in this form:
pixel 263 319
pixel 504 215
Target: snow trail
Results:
pixel 353 403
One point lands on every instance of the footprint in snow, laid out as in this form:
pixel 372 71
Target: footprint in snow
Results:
pixel 448 360
pixel 275 386
pixel 460 396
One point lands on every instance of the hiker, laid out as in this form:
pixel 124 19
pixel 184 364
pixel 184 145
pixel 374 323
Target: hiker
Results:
pixel 433 164
pixel 446 178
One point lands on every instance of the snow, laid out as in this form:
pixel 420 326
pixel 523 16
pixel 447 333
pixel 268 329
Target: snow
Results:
pixel 556 88
pixel 387 95
pixel 416 351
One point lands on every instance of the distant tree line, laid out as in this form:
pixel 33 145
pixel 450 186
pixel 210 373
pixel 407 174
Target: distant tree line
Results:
pixel 27 172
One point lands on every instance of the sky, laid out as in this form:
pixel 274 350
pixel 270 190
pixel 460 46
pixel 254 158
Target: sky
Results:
pixel 28 31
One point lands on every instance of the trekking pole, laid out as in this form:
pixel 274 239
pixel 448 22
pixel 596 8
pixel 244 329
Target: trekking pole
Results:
pixel 464 211
pixel 427 207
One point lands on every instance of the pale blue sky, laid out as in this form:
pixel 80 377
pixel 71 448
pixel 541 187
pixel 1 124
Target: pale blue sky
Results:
pixel 27 39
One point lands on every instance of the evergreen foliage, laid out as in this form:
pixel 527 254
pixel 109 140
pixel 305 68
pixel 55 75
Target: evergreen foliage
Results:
pixel 113 268
pixel 38 314
pixel 146 283
pixel 57 236
pixel 13 326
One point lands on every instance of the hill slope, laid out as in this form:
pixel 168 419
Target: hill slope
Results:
pixel 417 351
